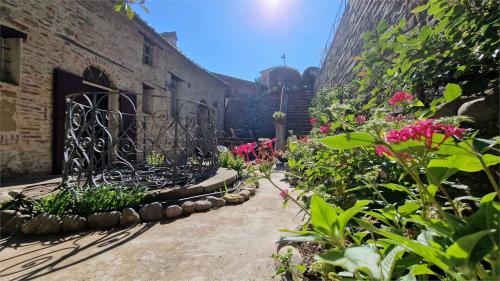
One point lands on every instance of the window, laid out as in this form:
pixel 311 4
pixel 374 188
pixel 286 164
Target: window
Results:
pixel 147 57
pixel 147 99
pixel 10 50
pixel 174 89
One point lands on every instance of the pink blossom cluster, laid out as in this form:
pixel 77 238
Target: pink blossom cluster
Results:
pixel 360 119
pixel 313 121
pixel 324 128
pixel 423 130
pixel 400 97
pixel 284 193
pixel 381 150
pixel 244 150
pixel 247 149
pixel 395 118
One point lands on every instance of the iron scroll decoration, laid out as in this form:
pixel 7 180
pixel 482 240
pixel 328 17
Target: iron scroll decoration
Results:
pixel 104 144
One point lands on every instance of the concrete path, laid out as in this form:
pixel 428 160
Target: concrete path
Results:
pixel 231 243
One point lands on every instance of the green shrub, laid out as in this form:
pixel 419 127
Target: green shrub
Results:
pixel 89 200
pixel 228 160
pixel 155 159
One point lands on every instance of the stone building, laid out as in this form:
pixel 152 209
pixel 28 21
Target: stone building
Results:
pixel 53 48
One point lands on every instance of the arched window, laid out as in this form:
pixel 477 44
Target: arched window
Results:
pixel 96 76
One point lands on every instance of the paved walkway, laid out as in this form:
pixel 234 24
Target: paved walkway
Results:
pixel 231 243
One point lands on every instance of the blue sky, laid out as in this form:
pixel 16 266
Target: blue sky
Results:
pixel 242 37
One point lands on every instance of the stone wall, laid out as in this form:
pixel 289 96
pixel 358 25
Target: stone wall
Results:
pixel 72 35
pixel 359 17
pixel 251 107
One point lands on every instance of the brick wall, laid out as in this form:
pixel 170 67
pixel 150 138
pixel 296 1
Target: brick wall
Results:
pixel 359 17
pixel 72 35
pixel 252 108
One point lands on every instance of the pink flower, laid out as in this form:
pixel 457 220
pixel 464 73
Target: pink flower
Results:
pixel 237 150
pixel 360 119
pixel 381 150
pixel 313 121
pixel 284 193
pixel 423 130
pixel 395 118
pixel 400 97
pixel 324 128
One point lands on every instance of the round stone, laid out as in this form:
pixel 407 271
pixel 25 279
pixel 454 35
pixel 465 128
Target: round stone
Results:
pixel 202 206
pixel 42 224
pixel 151 212
pixel 129 217
pixel 231 198
pixel 173 211
pixel 73 223
pixel 216 201
pixel 104 219
pixel 187 208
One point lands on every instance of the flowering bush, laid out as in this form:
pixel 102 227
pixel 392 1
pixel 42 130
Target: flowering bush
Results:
pixel 426 232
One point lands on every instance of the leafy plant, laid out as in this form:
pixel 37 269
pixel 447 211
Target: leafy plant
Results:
pixel 425 234
pixel 230 161
pixel 155 159
pixel 279 115
pixel 286 265
pixel 89 200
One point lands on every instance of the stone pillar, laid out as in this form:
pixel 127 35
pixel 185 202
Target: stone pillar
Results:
pixel 280 125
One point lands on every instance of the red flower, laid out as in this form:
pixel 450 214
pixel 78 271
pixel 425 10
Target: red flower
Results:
pixel 284 193
pixel 360 119
pixel 400 97
pixel 324 128
pixel 313 121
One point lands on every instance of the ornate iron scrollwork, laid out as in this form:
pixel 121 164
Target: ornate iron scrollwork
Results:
pixel 107 140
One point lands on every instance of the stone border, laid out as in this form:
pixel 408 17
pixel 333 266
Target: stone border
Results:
pixel 12 222
pixel 223 178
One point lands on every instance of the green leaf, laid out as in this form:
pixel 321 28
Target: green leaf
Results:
pixel 348 140
pixel 323 215
pixel 408 207
pixel 130 12
pixel 424 33
pixel 461 250
pixel 421 269
pixel 118 7
pixel 420 9
pixel 465 163
pixel 299 238
pixel 355 259
pixel 389 262
pixel 452 91
pixel 429 253
pixel 483 145
pixel 397 187
pixel 437 175
pixel 346 216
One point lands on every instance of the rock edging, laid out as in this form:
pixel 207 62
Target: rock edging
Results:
pixel 13 222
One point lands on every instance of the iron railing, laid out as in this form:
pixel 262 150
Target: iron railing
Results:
pixel 109 141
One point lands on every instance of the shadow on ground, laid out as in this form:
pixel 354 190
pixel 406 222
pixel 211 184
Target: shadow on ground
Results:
pixel 42 255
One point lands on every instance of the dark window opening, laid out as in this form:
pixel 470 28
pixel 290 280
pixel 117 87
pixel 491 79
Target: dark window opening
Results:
pixel 174 89
pixel 147 99
pixel 10 54
pixel 95 75
pixel 147 57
